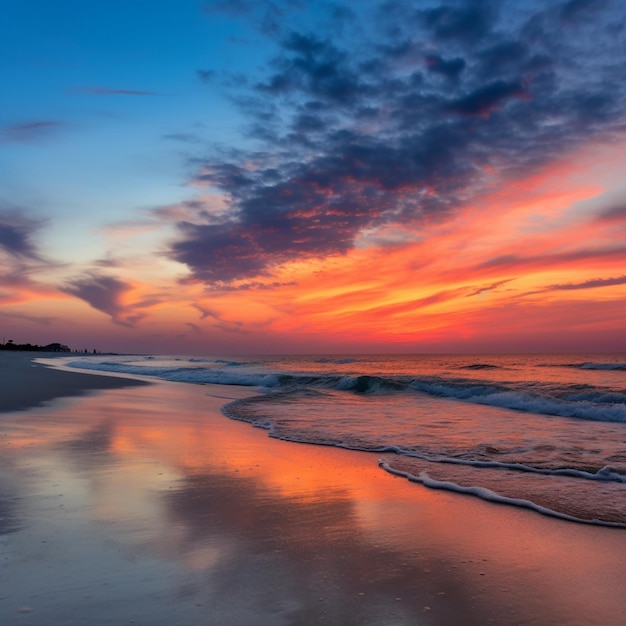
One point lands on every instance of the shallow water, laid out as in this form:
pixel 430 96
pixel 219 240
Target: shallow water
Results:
pixel 546 432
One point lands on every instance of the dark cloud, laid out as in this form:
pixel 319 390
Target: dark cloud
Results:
pixel 206 76
pixel 16 235
pixel 256 286
pixel 108 263
pixel 20 256
pixel 218 321
pixel 315 67
pixel 486 99
pixel 204 312
pixel 468 23
pixel 576 10
pixel 513 261
pixel 30 131
pixel 614 214
pixel 450 68
pixel 396 121
pixel 476 291
pixel 109 91
pixel 183 137
pixel 503 57
pixel 105 294
pixel 593 283
pixel 589 284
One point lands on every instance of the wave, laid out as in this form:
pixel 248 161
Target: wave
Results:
pixel 593 405
pixel 480 366
pixel 287 430
pixel 183 374
pixel 570 401
pixel 491 496
pixel 336 361
pixel 228 363
pixel 588 365
pixel 237 410
pixel 320 405
pixel 603 366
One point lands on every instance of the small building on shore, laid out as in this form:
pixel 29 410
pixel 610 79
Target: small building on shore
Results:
pixel 55 347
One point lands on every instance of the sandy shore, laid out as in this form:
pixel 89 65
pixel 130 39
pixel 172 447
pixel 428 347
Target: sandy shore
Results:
pixel 144 505
pixel 25 384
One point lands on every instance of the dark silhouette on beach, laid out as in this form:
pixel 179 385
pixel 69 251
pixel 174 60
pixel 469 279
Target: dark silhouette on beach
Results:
pixel 52 347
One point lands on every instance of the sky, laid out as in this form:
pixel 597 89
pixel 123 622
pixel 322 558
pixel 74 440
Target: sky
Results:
pixel 293 176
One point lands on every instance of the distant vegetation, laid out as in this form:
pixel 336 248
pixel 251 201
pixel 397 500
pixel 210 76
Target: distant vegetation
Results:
pixel 52 347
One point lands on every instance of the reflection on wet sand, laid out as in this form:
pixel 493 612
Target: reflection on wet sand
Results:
pixel 147 505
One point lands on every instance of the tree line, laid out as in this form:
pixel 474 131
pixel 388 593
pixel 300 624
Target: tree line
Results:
pixel 51 347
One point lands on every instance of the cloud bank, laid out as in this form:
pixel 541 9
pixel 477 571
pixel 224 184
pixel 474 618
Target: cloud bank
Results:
pixel 416 109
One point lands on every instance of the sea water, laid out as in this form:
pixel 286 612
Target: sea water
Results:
pixel 546 432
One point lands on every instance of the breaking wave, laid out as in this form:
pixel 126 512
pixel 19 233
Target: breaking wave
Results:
pixel 585 402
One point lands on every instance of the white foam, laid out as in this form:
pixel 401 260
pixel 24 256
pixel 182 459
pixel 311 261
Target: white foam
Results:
pixel 603 366
pixel 196 375
pixel 492 496
pixel 582 409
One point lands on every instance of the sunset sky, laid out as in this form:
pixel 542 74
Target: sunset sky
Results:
pixel 268 176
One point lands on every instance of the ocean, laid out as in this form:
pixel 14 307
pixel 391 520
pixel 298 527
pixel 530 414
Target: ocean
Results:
pixel 545 432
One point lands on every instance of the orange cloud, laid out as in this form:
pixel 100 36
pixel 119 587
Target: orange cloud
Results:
pixel 493 264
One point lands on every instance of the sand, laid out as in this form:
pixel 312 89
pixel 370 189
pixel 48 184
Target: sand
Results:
pixel 145 505
pixel 25 384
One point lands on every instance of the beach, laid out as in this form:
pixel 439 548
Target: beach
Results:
pixel 26 384
pixel 123 502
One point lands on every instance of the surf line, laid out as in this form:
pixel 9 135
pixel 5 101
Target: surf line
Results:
pixel 491 496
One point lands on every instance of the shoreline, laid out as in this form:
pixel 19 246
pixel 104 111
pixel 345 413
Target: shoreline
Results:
pixel 145 503
pixel 25 384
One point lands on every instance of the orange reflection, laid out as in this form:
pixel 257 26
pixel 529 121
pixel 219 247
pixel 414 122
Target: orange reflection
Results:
pixel 155 475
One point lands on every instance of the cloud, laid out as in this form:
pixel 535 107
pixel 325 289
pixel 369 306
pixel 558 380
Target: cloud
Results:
pixel 183 137
pixel 44 320
pixel 614 214
pixel 16 235
pixel 30 131
pixel 20 256
pixel 477 291
pixel 503 57
pixel 467 23
pixel 450 68
pixel 515 261
pixel 218 321
pixel 105 294
pixel 110 91
pixel 576 10
pixel 486 99
pixel 315 67
pixel 206 76
pixel 204 312
pixel 397 122
pixel 589 284
pixel 253 286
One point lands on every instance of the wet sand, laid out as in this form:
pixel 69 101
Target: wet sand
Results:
pixel 25 384
pixel 144 505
